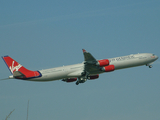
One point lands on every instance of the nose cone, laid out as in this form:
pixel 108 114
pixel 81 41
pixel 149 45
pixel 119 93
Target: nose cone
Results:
pixel 156 57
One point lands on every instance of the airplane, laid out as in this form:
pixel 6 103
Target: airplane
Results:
pixel 89 69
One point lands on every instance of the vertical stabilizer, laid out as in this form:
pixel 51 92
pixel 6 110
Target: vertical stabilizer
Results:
pixel 18 70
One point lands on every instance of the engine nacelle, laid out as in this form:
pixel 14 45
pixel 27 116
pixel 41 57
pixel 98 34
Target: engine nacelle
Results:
pixel 108 68
pixel 101 63
pixel 70 80
pixel 93 77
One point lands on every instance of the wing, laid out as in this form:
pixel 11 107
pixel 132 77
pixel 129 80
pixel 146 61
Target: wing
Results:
pixel 90 63
pixel 88 57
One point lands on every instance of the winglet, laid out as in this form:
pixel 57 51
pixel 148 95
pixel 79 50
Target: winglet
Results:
pixel 84 50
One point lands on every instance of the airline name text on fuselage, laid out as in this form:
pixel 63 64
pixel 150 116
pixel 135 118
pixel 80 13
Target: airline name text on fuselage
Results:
pixel 122 58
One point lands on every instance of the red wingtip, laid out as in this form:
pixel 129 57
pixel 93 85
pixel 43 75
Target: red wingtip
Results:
pixel 84 50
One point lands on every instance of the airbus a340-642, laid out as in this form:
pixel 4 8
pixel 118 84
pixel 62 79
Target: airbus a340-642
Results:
pixel 89 69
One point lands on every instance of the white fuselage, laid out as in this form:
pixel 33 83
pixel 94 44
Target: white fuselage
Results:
pixel 74 71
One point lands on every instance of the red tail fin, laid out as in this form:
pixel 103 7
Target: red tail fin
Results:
pixel 18 70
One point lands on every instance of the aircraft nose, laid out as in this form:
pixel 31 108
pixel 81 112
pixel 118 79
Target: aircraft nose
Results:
pixel 156 57
pixel 153 56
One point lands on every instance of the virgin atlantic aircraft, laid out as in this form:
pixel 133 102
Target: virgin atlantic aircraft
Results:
pixel 89 69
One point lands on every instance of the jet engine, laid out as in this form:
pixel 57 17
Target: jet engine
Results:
pixel 101 63
pixel 93 77
pixel 69 79
pixel 108 68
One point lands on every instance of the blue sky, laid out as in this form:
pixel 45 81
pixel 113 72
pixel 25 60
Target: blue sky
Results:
pixel 46 34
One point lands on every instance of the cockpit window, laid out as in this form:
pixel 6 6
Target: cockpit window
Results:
pixel 153 54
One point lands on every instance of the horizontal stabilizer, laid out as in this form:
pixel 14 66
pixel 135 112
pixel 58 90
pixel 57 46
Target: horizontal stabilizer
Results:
pixel 18 74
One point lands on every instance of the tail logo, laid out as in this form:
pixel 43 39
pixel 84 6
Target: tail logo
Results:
pixel 15 68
